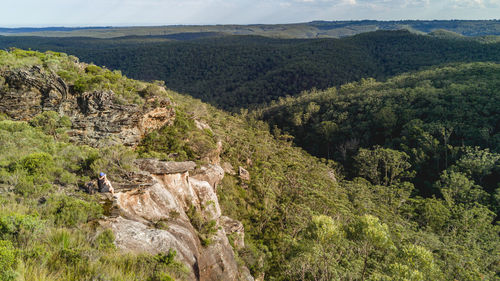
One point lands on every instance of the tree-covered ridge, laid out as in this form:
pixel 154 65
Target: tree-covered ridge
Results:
pixel 303 220
pixel 232 72
pixel 427 114
pixel 314 29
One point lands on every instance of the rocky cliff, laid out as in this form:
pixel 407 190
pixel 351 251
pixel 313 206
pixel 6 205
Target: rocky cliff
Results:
pixel 94 115
pixel 163 205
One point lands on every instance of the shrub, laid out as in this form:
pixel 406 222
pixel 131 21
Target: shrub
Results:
pixel 93 69
pixel 115 160
pixel 68 211
pixel 37 162
pixel 205 228
pixel 8 261
pixel 68 251
pixel 182 140
pixel 20 228
pixel 33 174
pixel 51 123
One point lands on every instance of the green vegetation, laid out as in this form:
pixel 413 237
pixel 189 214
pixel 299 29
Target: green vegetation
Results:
pixel 181 141
pixel 205 228
pixel 412 194
pixel 433 118
pixel 302 224
pixel 46 224
pixel 81 78
pixel 234 72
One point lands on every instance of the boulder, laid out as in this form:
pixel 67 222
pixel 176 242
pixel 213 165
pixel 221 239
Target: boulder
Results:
pixel 244 174
pixel 228 168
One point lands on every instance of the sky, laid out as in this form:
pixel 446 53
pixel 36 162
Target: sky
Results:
pixel 37 13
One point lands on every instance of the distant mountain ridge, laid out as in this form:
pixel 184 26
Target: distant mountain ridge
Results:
pixel 15 30
pixel 314 29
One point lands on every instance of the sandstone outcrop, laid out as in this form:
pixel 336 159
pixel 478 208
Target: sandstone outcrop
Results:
pixel 244 174
pixel 94 115
pixel 166 192
pixel 30 91
pixel 213 174
pixel 228 168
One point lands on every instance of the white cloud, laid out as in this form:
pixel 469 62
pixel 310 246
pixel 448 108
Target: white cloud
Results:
pixel 476 3
pixel 350 2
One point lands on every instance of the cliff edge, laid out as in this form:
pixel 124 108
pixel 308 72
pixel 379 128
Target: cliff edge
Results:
pixel 161 206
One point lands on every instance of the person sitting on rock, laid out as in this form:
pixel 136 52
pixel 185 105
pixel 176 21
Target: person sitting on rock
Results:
pixel 104 184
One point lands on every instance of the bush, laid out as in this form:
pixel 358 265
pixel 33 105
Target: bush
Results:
pixel 181 141
pixel 68 251
pixel 205 229
pixel 115 160
pixel 20 228
pixel 37 162
pixel 93 69
pixel 51 123
pixel 69 211
pixel 33 174
pixel 8 261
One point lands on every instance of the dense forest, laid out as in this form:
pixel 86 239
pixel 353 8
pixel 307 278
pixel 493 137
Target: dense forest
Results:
pixel 429 115
pixel 412 194
pixel 233 72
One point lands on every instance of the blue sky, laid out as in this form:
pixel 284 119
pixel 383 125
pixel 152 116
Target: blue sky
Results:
pixel 16 13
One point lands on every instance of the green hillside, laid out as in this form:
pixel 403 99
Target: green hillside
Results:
pixel 429 115
pixel 233 72
pixel 303 219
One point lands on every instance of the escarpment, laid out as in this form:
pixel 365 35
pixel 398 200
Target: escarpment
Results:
pixel 95 116
pixel 161 206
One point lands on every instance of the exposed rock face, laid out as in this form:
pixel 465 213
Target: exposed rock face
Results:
pixel 165 192
pixel 31 91
pixel 162 167
pixel 95 115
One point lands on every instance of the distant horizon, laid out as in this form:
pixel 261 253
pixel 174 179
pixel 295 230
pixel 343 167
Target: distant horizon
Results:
pixel 226 24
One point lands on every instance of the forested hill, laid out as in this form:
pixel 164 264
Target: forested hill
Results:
pixel 430 116
pixel 241 71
